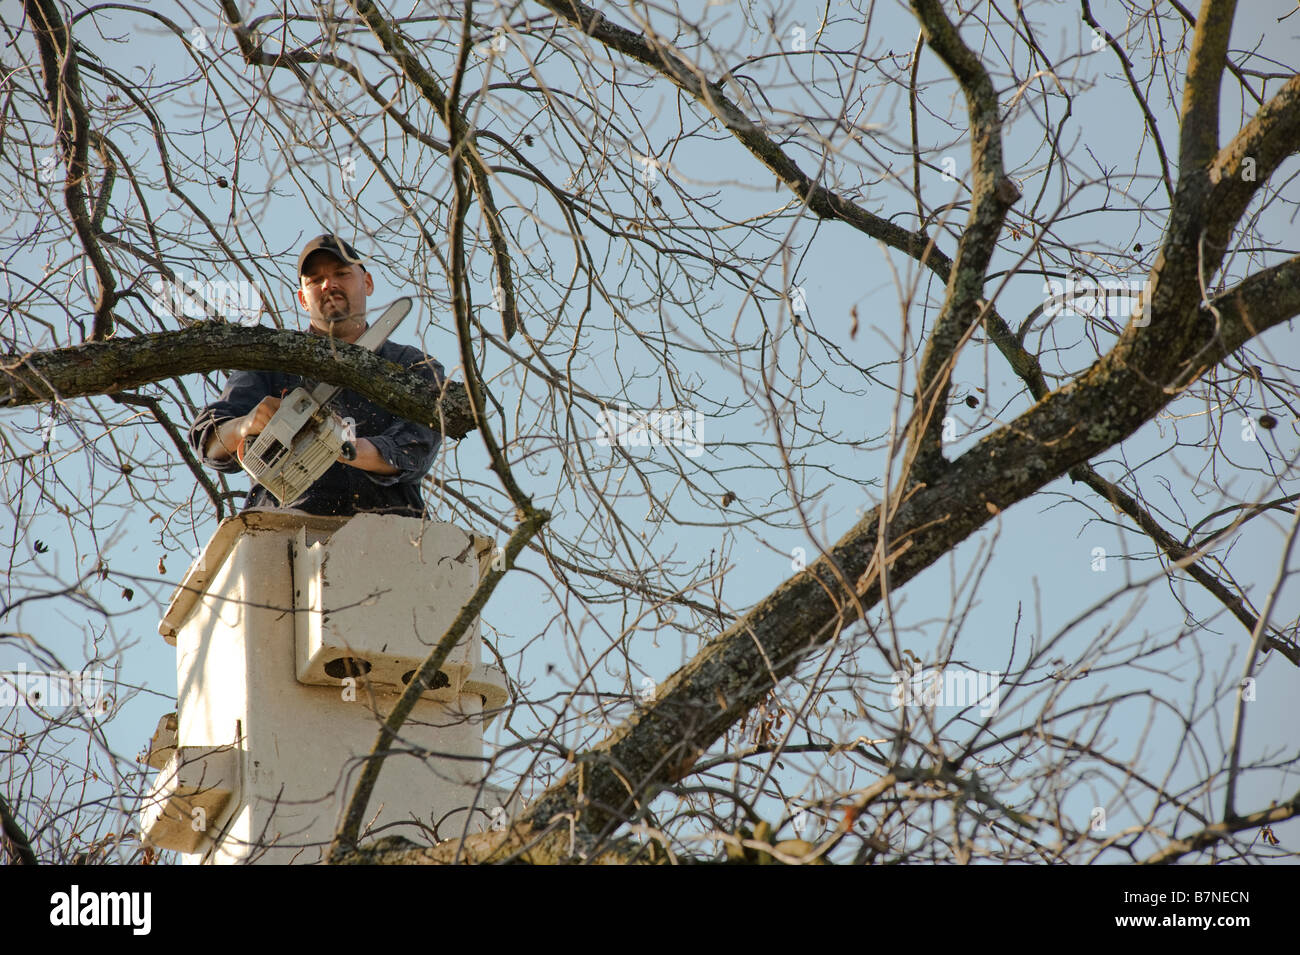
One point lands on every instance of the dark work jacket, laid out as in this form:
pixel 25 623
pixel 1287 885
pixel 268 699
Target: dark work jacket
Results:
pixel 343 489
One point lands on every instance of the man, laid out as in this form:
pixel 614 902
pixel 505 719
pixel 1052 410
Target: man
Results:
pixel 392 454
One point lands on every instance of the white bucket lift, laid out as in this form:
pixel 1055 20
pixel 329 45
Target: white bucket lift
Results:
pixel 294 636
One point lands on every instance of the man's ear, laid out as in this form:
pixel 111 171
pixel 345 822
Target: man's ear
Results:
pixel 370 284
pixel 302 299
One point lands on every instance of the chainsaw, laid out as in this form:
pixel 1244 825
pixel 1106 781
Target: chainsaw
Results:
pixel 304 437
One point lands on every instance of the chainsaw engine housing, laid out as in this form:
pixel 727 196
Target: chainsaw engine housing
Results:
pixel 299 444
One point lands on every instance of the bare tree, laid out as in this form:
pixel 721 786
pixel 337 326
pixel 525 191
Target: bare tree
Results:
pixel 716 280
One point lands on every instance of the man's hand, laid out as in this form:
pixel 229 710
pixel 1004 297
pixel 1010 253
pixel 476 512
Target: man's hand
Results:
pixel 228 435
pixel 368 458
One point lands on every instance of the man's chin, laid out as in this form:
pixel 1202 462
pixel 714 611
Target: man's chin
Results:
pixel 332 325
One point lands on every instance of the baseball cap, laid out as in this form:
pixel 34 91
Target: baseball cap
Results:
pixel 334 246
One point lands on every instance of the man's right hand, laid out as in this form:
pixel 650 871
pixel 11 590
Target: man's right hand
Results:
pixel 229 435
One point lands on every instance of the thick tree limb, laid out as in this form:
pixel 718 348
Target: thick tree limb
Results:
pixel 1208 205
pixel 483 847
pixel 106 368
pixel 1252 156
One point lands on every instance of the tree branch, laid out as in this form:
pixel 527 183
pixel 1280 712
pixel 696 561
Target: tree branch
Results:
pixel 531 519
pixel 350 829
pixel 1200 113
pixel 105 368
pixel 1235 602
pixel 430 89
pixel 992 194
pixel 1220 831
pixel 820 200
pixel 72 128
pixel 1207 208
pixel 13 832
pixel 182 446
pixel 1138 95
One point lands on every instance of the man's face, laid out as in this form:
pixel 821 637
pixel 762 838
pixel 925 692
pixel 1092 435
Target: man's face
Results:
pixel 334 294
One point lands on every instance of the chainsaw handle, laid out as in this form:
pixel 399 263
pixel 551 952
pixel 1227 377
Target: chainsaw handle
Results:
pixel 349 451
pixel 272 406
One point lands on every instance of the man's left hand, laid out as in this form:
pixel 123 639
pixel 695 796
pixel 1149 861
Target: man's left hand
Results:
pixel 368 458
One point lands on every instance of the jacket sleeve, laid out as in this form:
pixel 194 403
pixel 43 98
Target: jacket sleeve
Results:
pixel 408 446
pixel 244 389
